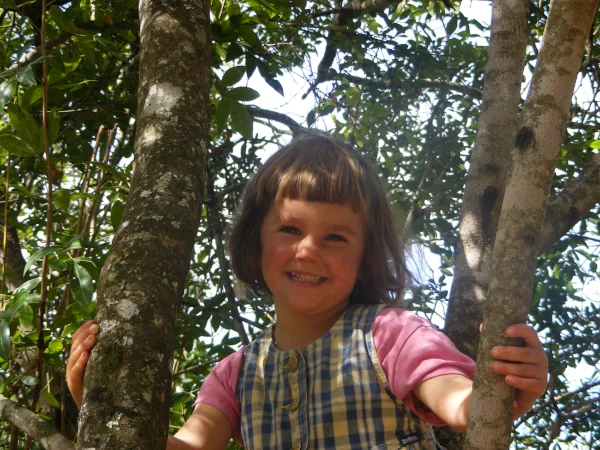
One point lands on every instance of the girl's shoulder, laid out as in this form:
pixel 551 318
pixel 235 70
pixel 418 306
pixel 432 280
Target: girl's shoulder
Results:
pixel 395 319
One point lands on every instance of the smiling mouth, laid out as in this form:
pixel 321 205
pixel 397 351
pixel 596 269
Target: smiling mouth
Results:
pixel 305 278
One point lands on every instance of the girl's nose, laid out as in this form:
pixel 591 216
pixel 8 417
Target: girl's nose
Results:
pixel 307 249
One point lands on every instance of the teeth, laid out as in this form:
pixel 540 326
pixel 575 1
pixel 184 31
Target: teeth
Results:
pixel 305 278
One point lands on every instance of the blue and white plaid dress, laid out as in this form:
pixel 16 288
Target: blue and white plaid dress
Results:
pixel 332 394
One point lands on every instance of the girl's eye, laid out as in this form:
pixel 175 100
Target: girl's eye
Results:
pixel 289 230
pixel 336 237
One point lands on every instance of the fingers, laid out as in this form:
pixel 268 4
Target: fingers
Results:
pixel 529 388
pixel 520 354
pixel 82 342
pixel 90 327
pixel 519 370
pixel 525 332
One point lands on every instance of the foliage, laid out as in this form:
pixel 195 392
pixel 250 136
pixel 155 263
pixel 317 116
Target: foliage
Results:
pixel 404 87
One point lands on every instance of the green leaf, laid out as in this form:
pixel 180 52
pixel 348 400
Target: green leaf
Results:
pixel 451 27
pixel 24 124
pixel 50 399
pixel 39 254
pixel 16 146
pixel 8 89
pixel 82 286
pixel 86 46
pixel 116 213
pixel 233 76
pixel 4 340
pixel 243 94
pixel 31 95
pixel 275 85
pixel 310 118
pixel 29 285
pixel 55 346
pixel 62 199
pixel 25 76
pixel 595 144
pixel 241 121
pixel 26 317
pixel 53 119
pixel 222 114
pixel 234 52
pixel 16 303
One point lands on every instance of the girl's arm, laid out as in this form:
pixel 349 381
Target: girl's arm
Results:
pixel 526 369
pixel 206 429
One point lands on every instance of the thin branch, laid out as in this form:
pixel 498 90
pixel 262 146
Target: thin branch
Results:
pixel 41 344
pixel 5 234
pixel 36 53
pixel 215 221
pixel 355 9
pixel 33 425
pixel 404 84
pixel 277 117
pixel 347 13
pixel 197 368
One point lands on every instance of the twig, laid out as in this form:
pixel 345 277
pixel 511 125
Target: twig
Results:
pixel 340 20
pixel 278 117
pixel 5 236
pixel 196 368
pixel 44 288
pixel 40 51
pixel 213 215
pixel 403 84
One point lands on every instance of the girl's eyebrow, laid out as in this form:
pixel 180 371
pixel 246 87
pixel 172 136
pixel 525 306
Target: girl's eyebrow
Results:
pixel 340 228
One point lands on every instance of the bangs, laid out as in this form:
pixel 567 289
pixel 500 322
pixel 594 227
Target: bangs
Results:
pixel 325 172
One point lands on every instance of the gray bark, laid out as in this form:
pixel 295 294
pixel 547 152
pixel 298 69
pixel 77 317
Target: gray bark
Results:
pixel 537 146
pixel 33 425
pixel 489 164
pixel 128 381
pixel 577 198
pixel 484 189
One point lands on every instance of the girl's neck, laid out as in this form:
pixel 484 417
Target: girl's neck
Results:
pixel 300 331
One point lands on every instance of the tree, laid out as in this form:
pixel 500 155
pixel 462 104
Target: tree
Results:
pixel 536 149
pixel 401 80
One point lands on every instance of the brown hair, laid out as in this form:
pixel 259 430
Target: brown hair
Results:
pixel 315 167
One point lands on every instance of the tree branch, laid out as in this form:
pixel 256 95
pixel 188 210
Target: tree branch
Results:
pixel 340 20
pixel 355 9
pixel 278 117
pixel 33 425
pixel 402 84
pixel 36 53
pixel 577 198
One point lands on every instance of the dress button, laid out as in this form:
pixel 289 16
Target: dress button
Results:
pixel 292 364
pixel 292 406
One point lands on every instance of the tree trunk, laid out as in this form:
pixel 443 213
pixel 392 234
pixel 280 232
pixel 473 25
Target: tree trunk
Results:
pixel 537 146
pixel 484 189
pixel 127 385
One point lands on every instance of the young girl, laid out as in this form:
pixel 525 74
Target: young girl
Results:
pixel 342 368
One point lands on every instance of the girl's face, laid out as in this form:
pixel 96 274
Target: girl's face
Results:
pixel 311 255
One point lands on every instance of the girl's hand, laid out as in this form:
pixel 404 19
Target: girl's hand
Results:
pixel 83 340
pixel 526 368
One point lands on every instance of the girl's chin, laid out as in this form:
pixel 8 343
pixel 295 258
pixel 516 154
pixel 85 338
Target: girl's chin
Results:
pixel 310 305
